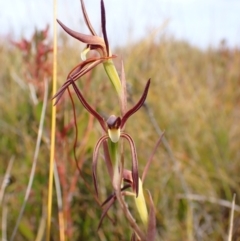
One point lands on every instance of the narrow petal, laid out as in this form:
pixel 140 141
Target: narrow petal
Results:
pixel 105 210
pixel 88 39
pixel 88 107
pixel 76 73
pixel 61 91
pixel 104 31
pixel 95 159
pixel 87 21
pixel 114 194
pixel 84 67
pixel 137 106
pixel 109 202
pixel 134 161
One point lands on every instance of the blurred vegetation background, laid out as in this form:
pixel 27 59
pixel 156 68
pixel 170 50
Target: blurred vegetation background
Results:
pixel 194 97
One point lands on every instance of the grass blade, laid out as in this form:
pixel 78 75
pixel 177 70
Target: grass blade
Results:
pixel 34 164
pixel 53 124
pixel 231 219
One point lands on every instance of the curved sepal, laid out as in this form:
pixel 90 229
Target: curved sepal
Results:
pixel 95 159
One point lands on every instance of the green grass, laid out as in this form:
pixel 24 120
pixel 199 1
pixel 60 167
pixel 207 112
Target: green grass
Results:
pixel 194 96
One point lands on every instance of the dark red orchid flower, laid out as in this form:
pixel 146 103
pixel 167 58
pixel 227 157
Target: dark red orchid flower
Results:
pixel 93 42
pixel 113 127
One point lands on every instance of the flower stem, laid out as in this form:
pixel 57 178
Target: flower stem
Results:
pixel 113 150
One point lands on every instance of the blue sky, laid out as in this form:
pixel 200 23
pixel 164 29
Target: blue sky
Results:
pixel 201 22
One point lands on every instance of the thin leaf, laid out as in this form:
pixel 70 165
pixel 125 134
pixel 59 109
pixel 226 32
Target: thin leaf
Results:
pixel 151 158
pixel 151 232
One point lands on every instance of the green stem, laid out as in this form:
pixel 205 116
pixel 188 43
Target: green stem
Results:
pixel 113 150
